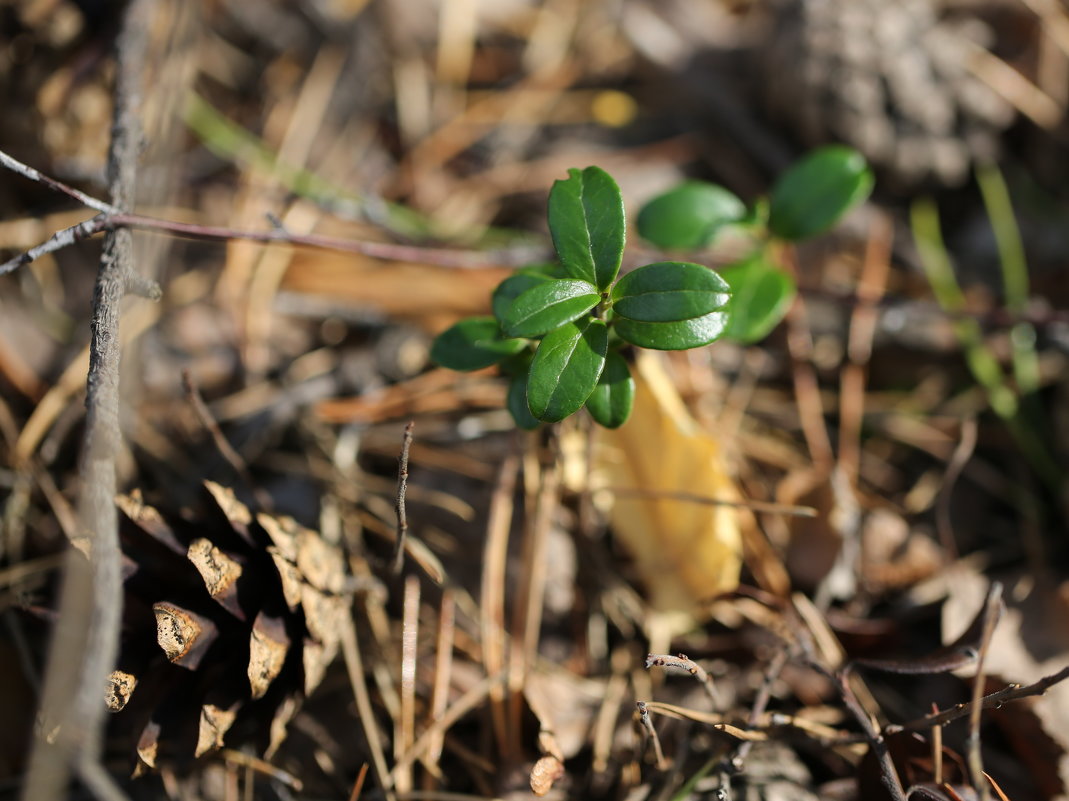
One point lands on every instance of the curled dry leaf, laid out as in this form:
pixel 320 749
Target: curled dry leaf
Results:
pixel 686 552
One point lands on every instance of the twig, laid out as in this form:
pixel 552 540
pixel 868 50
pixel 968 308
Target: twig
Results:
pixel 1012 692
pixel 683 662
pixel 113 217
pixel 760 704
pixel 86 639
pixel 399 505
pixel 27 171
pixel 992 614
pixel 877 742
pixel 647 724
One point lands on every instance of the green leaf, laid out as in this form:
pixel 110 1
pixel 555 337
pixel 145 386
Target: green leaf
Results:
pixel 689 216
pixel 611 401
pixel 548 305
pixel 679 335
pixel 512 287
pixel 814 193
pixel 566 368
pixel 667 291
pixel 473 343
pixel 517 404
pixel 586 221
pixel 760 296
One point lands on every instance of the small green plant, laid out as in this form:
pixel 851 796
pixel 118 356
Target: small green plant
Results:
pixel 557 329
pixel 807 200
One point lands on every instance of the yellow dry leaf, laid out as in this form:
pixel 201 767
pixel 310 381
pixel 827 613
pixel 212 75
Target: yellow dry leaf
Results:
pixel 686 551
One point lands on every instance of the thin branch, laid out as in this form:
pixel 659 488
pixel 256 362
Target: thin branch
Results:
pixel 992 614
pixel 58 241
pixel 683 662
pixel 399 505
pixel 1012 692
pixel 27 171
pixel 647 725
pixel 877 742
pixel 113 217
pixel 86 639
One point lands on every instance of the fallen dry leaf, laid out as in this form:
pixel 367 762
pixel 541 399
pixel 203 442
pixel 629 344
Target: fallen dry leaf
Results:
pixel 685 551
pixel 1030 642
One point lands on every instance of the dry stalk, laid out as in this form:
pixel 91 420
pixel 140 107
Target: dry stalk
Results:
pixel 683 662
pixel 647 725
pixel 405 729
pixel 492 597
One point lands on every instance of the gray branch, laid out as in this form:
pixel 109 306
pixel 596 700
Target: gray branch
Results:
pixel 86 641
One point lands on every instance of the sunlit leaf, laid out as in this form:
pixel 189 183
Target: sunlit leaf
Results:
pixel 547 305
pixel 512 287
pixel 817 191
pixel 669 291
pixel 689 216
pixel 586 221
pixel 680 335
pixel 566 368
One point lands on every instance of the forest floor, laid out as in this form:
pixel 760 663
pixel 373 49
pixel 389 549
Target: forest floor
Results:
pixel 790 576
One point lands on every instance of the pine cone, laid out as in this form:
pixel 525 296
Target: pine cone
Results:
pixel 230 619
pixel 890 79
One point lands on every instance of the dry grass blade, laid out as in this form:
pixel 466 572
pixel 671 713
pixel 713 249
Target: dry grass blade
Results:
pixel 492 597
pixel 405 733
pixel 355 666
pixel 992 613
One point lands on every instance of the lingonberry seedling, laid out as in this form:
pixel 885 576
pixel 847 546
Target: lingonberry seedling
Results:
pixel 557 329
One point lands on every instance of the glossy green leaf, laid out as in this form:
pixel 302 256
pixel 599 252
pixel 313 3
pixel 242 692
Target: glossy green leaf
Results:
pixel 679 335
pixel 512 287
pixel 473 343
pixel 611 401
pixel 668 291
pixel 689 216
pixel 760 296
pixel 517 404
pixel 817 191
pixel 548 305
pixel 566 368
pixel 586 221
